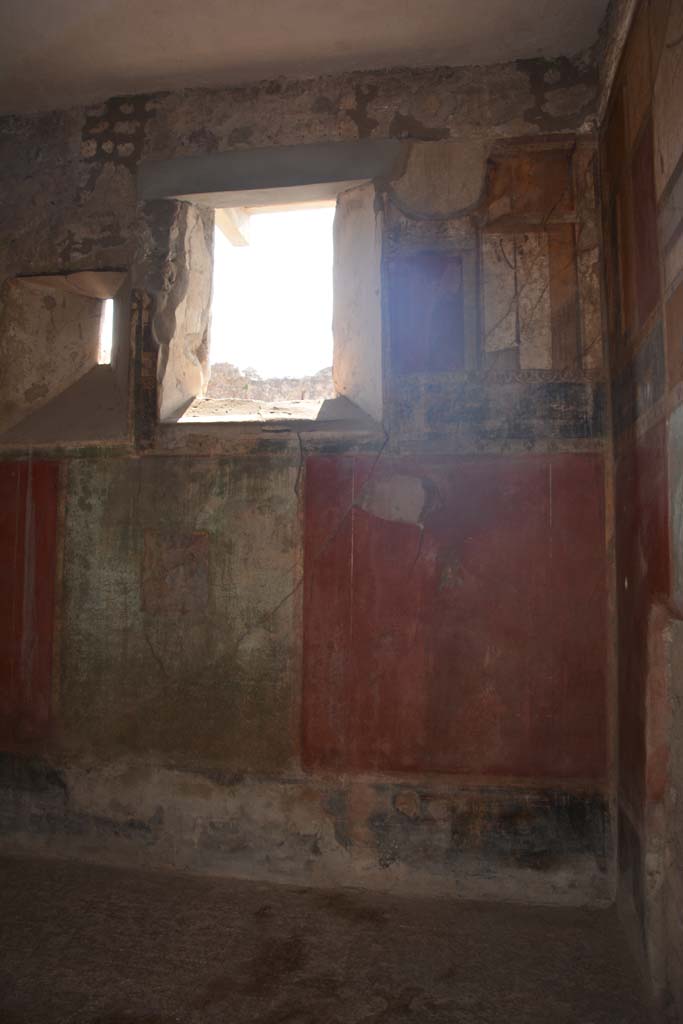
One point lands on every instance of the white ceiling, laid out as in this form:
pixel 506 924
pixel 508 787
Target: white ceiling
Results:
pixel 54 53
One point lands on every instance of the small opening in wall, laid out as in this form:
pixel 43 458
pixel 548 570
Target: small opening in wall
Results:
pixel 271 319
pixel 74 388
pixel 106 332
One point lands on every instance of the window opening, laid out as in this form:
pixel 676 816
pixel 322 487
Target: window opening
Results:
pixel 106 332
pixel 271 319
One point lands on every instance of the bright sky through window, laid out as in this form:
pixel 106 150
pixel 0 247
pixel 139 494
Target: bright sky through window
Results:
pixel 272 298
pixel 106 331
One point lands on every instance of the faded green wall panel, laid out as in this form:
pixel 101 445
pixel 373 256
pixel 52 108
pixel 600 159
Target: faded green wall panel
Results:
pixel 171 646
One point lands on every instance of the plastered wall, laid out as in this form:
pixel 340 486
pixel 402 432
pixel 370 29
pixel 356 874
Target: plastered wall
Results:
pixel 374 658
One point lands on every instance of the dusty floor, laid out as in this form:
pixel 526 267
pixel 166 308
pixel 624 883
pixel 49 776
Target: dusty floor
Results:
pixel 89 944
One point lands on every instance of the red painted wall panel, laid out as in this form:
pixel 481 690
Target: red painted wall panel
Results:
pixel 28 531
pixel 642 550
pixel 463 631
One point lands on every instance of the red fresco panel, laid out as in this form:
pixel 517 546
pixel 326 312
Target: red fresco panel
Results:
pixel 642 550
pixel 472 643
pixel 28 531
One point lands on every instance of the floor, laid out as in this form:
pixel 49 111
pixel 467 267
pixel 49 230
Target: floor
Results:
pixel 80 943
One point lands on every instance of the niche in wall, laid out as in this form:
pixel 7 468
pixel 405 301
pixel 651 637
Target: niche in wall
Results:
pixel 64 350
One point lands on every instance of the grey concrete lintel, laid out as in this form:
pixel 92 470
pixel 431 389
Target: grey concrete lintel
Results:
pixel 266 170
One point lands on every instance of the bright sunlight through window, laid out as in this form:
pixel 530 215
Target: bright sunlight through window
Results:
pixel 271 328
pixel 106 331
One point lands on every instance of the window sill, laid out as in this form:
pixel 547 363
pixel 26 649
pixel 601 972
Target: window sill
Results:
pixel 308 414
pixel 247 423
pixel 236 410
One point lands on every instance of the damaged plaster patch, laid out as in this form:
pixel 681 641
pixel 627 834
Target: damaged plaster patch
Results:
pixel 418 103
pixel 363 95
pixel 563 90
pixel 104 222
pixel 401 498
pixel 405 126
pixel 117 127
pixel 429 185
